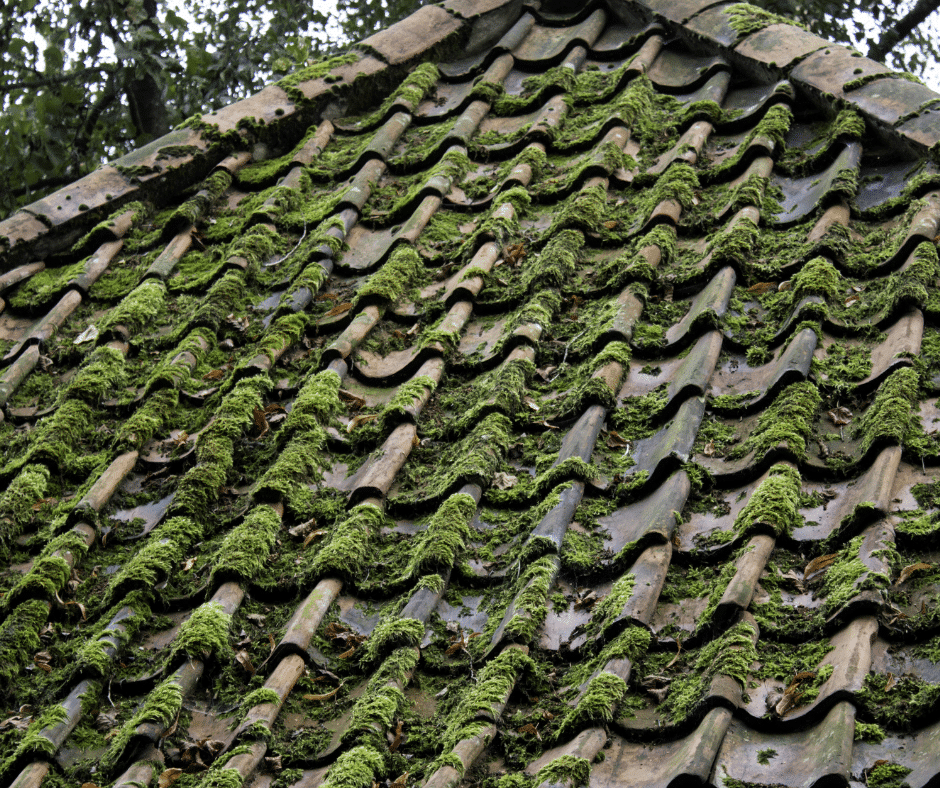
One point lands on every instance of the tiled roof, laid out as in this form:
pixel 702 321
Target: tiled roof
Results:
pixel 524 398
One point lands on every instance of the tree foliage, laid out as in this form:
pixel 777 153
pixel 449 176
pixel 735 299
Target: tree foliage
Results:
pixel 82 83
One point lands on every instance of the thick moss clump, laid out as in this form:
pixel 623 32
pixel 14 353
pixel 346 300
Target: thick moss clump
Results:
pixel 348 550
pixel 494 684
pixel 138 309
pixel 102 375
pixel 774 504
pixel 19 639
pixel 392 631
pixel 446 536
pixel 246 547
pixel 393 279
pixel 160 707
pixel 356 768
pixel 817 277
pixel 565 770
pixel 204 634
pixel 17 501
pixel 530 603
pixel 789 420
pixel 148 420
pixel 848 576
pixel 730 655
pixel 892 417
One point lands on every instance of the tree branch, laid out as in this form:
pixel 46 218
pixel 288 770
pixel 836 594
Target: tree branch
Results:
pixel 902 28
pixel 62 78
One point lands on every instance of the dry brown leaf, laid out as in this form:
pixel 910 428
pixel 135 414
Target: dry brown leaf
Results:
pixel 762 287
pixel 353 400
pixel 396 741
pixel 401 781
pixel 81 608
pixel 785 285
pixel 357 420
pixel 852 299
pixel 42 502
pixel 189 563
pixel 616 441
pixel 42 660
pixel 611 225
pixel 840 416
pixel 168 777
pixel 907 571
pixel 709 450
pixel 819 563
pixel 313 535
pixel 504 481
pixel 95 785
pixel 325 695
pixel 215 374
pixel 890 682
pixel 533 405
pixel 272 642
pixel 339 309
pixel 244 660
pixel 348 653
pixel 531 730
pixel 260 422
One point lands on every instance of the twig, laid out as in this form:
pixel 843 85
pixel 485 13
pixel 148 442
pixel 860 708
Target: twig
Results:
pixel 299 242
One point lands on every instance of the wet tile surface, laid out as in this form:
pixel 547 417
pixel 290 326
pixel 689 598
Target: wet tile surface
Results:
pixel 571 414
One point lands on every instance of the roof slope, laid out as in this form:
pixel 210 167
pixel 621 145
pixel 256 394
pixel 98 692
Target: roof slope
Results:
pixel 523 398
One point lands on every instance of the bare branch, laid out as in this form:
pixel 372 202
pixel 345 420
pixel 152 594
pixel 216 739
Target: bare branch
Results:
pixel 902 28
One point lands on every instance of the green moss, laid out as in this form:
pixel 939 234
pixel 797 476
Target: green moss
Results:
pixel 411 92
pixel 774 504
pixel 788 420
pixel 817 277
pixel 102 375
pixel 105 228
pixel 446 536
pixel 226 296
pixel 565 770
pixel 735 243
pixel 729 655
pixel 245 549
pixel 870 733
pixel 160 707
pixel 33 743
pixel 392 631
pixel 191 211
pixel 494 683
pixel 599 702
pixel 319 70
pixel 19 639
pixel 635 418
pixel 841 581
pixel 611 606
pixel 530 602
pixel 887 775
pixel 43 286
pixel 139 309
pixel 394 278
pixel 204 635
pixel 259 697
pixel 148 420
pixel 17 501
pixel 349 549
pixel 764 756
pixel 745 19
pixel 356 768
pixel 898 704
pixel 893 414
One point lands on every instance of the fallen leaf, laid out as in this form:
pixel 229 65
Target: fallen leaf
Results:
pixel 818 564
pixel 785 285
pixel 313 535
pixel 363 419
pixel 852 299
pixel 244 660
pixel 504 481
pixel 709 450
pixel 90 334
pixel 326 695
pixel 256 618
pixel 260 422
pixel 396 741
pixel 840 416
pixel 762 287
pixel 168 777
pixel 339 309
pixel 215 374
pixel 530 729
pixel 611 225
pixel 616 441
pixel 401 781
pixel 189 563
pixel 889 684
pixel 531 403
pixel 907 571
pixel 348 653
pixel 42 660
pixel 302 529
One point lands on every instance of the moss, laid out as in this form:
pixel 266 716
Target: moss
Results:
pixel 105 228
pixel 160 707
pixel 494 683
pixel 502 390
pixel 745 19
pixel 46 578
pixel 62 438
pixel 735 243
pixel 17 502
pixel 319 70
pixel 892 416
pixel 225 297
pixel 174 368
pixel 204 635
pixel 103 374
pixel 774 504
pixel 139 309
pixel 841 581
pixel 817 277
pixel 565 770
pixel 870 733
pixel 33 743
pixel 191 211
pixel 411 92
pixel 773 126
pixel 349 548
pixel 394 278
pixel 599 702
pixel 764 756
pixel 446 536
pixel 898 704
pixel 556 263
pixel 885 774
pixel 259 697
pixel 611 606
pixel 729 655
pixel 19 639
pixel 635 418
pixel 530 603
pixel 356 768
pixel 389 632
pixel 788 420
pixel 245 549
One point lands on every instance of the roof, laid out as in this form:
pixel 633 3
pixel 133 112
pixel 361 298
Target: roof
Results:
pixel 522 398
